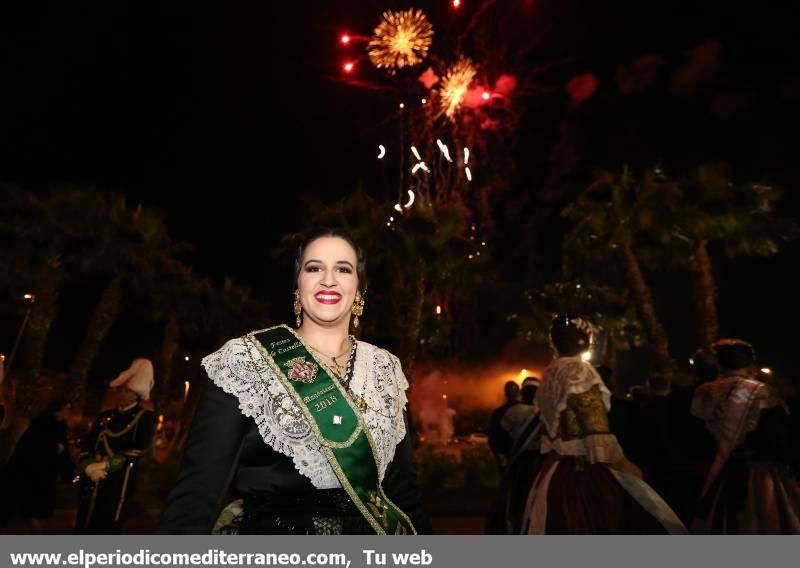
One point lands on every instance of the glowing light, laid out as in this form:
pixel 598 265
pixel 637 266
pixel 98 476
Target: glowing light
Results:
pixel 423 101
pixel 444 150
pixel 766 371
pixel 345 39
pixel 438 310
pixel 411 198
pixel 186 358
pixel 416 154
pixel 469 257
pixel 417 166
pixel 402 106
pixel 468 172
pixel 381 151
pixel 466 156
pixel 444 396
pixel 455 85
pixel 586 355
pixel 348 67
pixel 398 207
pixel 185 390
pixel 456 3
pixel 485 96
pixel 401 39
pixel 388 224
pixel 391 219
pixel 483 243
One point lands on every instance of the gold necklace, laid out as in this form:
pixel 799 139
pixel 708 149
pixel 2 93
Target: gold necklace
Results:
pixel 336 367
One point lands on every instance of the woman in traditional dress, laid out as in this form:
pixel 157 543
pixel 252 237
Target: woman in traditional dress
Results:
pixel 308 425
pixel 586 485
pixel 752 486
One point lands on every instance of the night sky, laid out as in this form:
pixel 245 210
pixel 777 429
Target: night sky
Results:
pixel 199 109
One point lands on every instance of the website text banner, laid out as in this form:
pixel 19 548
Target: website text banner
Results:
pixel 392 552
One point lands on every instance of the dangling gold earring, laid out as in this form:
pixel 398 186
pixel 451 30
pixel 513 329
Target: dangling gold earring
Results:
pixel 298 308
pixel 358 307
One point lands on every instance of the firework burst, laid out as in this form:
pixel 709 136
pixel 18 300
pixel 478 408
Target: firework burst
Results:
pixel 455 85
pixel 401 39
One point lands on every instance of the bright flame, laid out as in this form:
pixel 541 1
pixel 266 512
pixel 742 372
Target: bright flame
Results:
pixel 766 371
pixel 485 96
pixel 455 85
pixel 381 151
pixel 348 67
pixel 185 390
pixel 411 198
pixel 468 172
pixel 586 355
pixel 401 39
pixel 345 39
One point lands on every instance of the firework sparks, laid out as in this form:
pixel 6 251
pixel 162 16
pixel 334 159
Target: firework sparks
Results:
pixel 411 198
pixel 402 39
pixel 381 151
pixel 456 84
pixel 445 151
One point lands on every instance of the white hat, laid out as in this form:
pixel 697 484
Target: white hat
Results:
pixel 138 378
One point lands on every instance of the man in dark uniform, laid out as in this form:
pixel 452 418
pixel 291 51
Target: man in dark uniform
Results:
pixel 499 440
pixel 111 451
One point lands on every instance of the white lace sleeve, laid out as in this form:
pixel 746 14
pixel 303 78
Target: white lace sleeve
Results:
pixel 563 377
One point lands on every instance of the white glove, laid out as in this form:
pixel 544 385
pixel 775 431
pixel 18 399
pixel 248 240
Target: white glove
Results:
pixel 97 471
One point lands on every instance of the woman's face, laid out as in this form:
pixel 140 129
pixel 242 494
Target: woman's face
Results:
pixel 328 281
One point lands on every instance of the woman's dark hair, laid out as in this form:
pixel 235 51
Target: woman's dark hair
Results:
pixel 361 259
pixel 570 334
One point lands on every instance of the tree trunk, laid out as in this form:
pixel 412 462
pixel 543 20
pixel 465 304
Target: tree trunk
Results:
pixel 105 312
pixel 47 282
pixel 408 353
pixel 645 308
pixel 705 295
pixel 166 358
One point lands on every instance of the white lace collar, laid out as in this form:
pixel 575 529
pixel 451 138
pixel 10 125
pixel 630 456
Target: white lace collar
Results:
pixel 561 378
pixel 239 369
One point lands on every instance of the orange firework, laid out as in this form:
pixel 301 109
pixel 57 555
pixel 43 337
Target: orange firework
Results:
pixel 455 85
pixel 401 39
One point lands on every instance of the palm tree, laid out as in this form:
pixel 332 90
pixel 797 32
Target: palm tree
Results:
pixel 704 208
pixel 52 234
pixel 609 216
pixel 127 241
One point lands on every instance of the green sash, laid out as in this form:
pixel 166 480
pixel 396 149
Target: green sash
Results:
pixel 337 425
